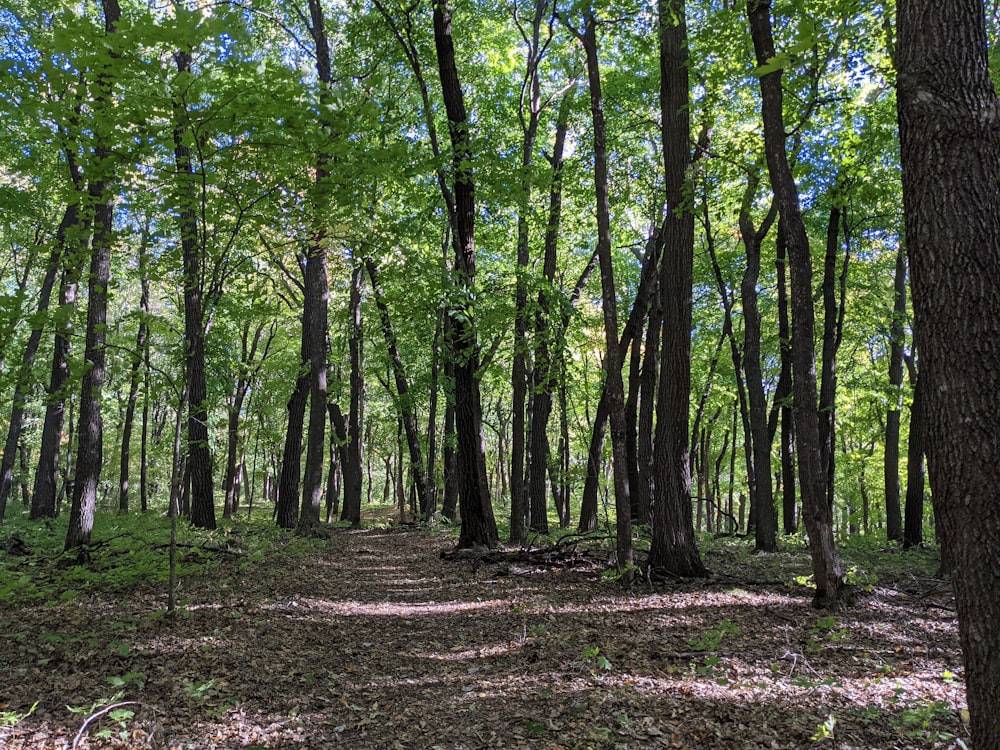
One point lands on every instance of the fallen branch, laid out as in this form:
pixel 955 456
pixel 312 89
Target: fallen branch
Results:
pixel 98 714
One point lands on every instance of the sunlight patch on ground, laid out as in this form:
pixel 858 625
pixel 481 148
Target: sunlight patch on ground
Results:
pixel 351 608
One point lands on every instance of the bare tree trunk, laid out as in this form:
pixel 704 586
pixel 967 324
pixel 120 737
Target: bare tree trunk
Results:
pixel 913 527
pixel 893 516
pixel 816 510
pixel 478 523
pixel 673 548
pixel 355 424
pixel 139 358
pixel 614 387
pixel 405 405
pixel 765 518
pixel 951 197
pixel 90 448
pixel 199 459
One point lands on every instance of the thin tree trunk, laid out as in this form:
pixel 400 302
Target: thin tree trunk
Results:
pixel 614 387
pixel 913 527
pixel 546 370
pixel 355 425
pixel 199 459
pixel 765 518
pixel 23 384
pixel 893 516
pixel 138 360
pixel 407 417
pixel 816 510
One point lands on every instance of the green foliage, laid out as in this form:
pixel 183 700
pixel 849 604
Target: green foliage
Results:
pixel 824 730
pixel 711 638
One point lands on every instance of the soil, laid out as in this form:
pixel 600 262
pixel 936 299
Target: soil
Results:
pixel 370 639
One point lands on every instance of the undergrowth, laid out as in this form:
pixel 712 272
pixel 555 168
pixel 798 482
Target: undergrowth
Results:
pixel 126 552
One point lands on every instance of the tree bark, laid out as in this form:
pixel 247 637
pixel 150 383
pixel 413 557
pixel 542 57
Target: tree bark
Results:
pixel 812 482
pixel 90 447
pixel 478 523
pixel 22 387
pixel 948 114
pixel 673 548
pixel 353 472
pixel 316 294
pixel 199 459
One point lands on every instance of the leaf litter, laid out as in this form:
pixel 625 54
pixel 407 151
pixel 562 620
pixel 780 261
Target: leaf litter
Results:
pixel 372 640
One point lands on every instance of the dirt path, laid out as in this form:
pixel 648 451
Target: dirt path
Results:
pixel 375 642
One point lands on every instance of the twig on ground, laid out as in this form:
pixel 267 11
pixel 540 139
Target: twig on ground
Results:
pixel 98 714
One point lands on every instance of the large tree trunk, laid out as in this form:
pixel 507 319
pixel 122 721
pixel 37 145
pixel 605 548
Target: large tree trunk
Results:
pixel 199 459
pixel 893 516
pixel 812 481
pixel 316 293
pixel 673 548
pixel 948 114
pixel 90 446
pixel 478 523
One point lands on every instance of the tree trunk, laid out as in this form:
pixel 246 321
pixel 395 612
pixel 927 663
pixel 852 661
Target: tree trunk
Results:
pixel 90 448
pixel 913 527
pixel 812 481
pixel 673 548
pixel 353 468
pixel 782 396
pixel 766 520
pixel 199 459
pixel 22 387
pixel 951 197
pixel 139 357
pixel 546 369
pixel 834 291
pixel 43 498
pixel 405 404
pixel 893 517
pixel 614 387
pixel 478 523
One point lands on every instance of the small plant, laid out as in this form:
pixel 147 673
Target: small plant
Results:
pixel 200 690
pixel 593 655
pixel 10 718
pixel 825 730
pixel 130 678
pixel 711 638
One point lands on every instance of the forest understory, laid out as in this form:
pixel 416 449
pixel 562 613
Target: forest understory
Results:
pixel 370 639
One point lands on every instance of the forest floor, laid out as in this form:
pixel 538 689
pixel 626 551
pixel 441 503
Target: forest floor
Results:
pixel 369 639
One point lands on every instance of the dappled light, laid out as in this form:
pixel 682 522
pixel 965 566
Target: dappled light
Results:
pixel 565 659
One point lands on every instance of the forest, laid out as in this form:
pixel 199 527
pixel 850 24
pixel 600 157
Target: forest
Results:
pixel 623 289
